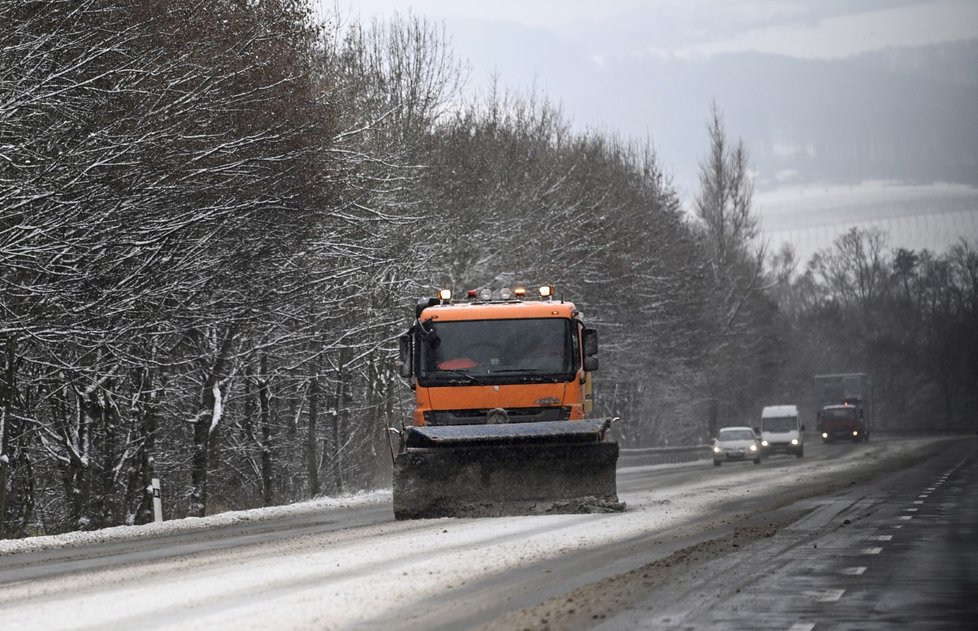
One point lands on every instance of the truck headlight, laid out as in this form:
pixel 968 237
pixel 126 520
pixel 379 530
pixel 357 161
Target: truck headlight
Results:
pixel 794 441
pixel 716 450
pixel 855 433
pixel 825 434
pixel 763 443
pixel 753 447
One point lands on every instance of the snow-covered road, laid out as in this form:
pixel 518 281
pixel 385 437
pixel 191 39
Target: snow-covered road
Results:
pixel 371 575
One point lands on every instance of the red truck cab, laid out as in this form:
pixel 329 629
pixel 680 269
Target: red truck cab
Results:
pixel 842 422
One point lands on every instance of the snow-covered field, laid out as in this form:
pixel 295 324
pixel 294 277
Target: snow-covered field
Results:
pixel 933 216
pixel 359 576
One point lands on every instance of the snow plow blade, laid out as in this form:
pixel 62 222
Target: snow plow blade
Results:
pixel 506 469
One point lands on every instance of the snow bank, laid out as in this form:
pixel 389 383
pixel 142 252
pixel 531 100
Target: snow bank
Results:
pixel 122 533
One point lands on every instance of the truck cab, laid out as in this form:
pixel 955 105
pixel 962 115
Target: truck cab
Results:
pixel 499 359
pixel 844 406
pixel 782 431
pixel 846 421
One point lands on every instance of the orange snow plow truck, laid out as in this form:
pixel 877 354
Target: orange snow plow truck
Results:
pixel 500 425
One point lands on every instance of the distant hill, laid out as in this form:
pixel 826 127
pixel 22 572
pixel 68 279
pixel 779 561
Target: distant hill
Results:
pixel 811 218
pixel 907 114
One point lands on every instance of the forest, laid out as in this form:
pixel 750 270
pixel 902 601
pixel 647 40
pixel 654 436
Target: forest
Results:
pixel 216 218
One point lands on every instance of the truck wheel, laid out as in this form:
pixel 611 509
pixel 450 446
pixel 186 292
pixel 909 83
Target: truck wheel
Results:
pixel 757 461
pixel 716 463
pixel 800 453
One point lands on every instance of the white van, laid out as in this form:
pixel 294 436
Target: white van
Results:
pixel 782 431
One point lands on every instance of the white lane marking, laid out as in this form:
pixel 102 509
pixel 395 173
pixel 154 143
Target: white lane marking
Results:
pixel 883 537
pixel 802 626
pixel 918 501
pixel 855 570
pixel 910 510
pixel 825 595
pixel 872 550
pixel 898 526
pixel 924 495
pixel 906 516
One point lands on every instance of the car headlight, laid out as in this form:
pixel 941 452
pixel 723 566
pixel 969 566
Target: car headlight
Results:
pixel 764 443
pixel 794 441
pixel 855 433
pixel 825 434
pixel 716 450
pixel 753 447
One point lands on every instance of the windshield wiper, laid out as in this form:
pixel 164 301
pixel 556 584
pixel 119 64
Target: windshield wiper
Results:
pixel 462 373
pixel 542 374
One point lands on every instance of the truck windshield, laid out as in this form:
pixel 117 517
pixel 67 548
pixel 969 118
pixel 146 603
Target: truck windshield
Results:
pixel 839 414
pixel 779 424
pixel 539 346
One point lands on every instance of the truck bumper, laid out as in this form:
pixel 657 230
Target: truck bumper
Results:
pixel 854 435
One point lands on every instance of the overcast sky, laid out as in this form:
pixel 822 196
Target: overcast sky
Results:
pixel 582 54
pixel 803 28
pixel 650 68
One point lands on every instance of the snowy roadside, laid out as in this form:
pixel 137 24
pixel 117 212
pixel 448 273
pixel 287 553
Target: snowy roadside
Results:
pixel 188 524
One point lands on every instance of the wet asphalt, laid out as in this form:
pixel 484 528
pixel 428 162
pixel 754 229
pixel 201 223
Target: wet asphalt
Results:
pixel 899 552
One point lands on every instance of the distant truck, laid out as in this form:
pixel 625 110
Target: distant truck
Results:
pixel 782 431
pixel 845 406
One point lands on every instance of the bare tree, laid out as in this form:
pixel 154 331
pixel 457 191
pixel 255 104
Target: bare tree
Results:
pixel 730 229
pixel 855 269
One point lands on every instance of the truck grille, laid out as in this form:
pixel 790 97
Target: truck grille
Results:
pixel 480 417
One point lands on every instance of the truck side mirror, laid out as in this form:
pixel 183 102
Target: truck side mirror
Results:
pixel 590 342
pixel 404 355
pixel 802 428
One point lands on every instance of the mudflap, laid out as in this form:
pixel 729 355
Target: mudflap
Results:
pixel 490 480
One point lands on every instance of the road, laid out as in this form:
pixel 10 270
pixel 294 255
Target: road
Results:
pixel 851 536
pixel 895 552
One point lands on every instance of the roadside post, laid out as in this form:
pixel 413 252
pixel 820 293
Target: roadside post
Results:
pixel 157 502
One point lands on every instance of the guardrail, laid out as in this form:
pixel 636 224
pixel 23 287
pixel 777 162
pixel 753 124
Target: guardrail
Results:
pixel 662 455
pixel 668 455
